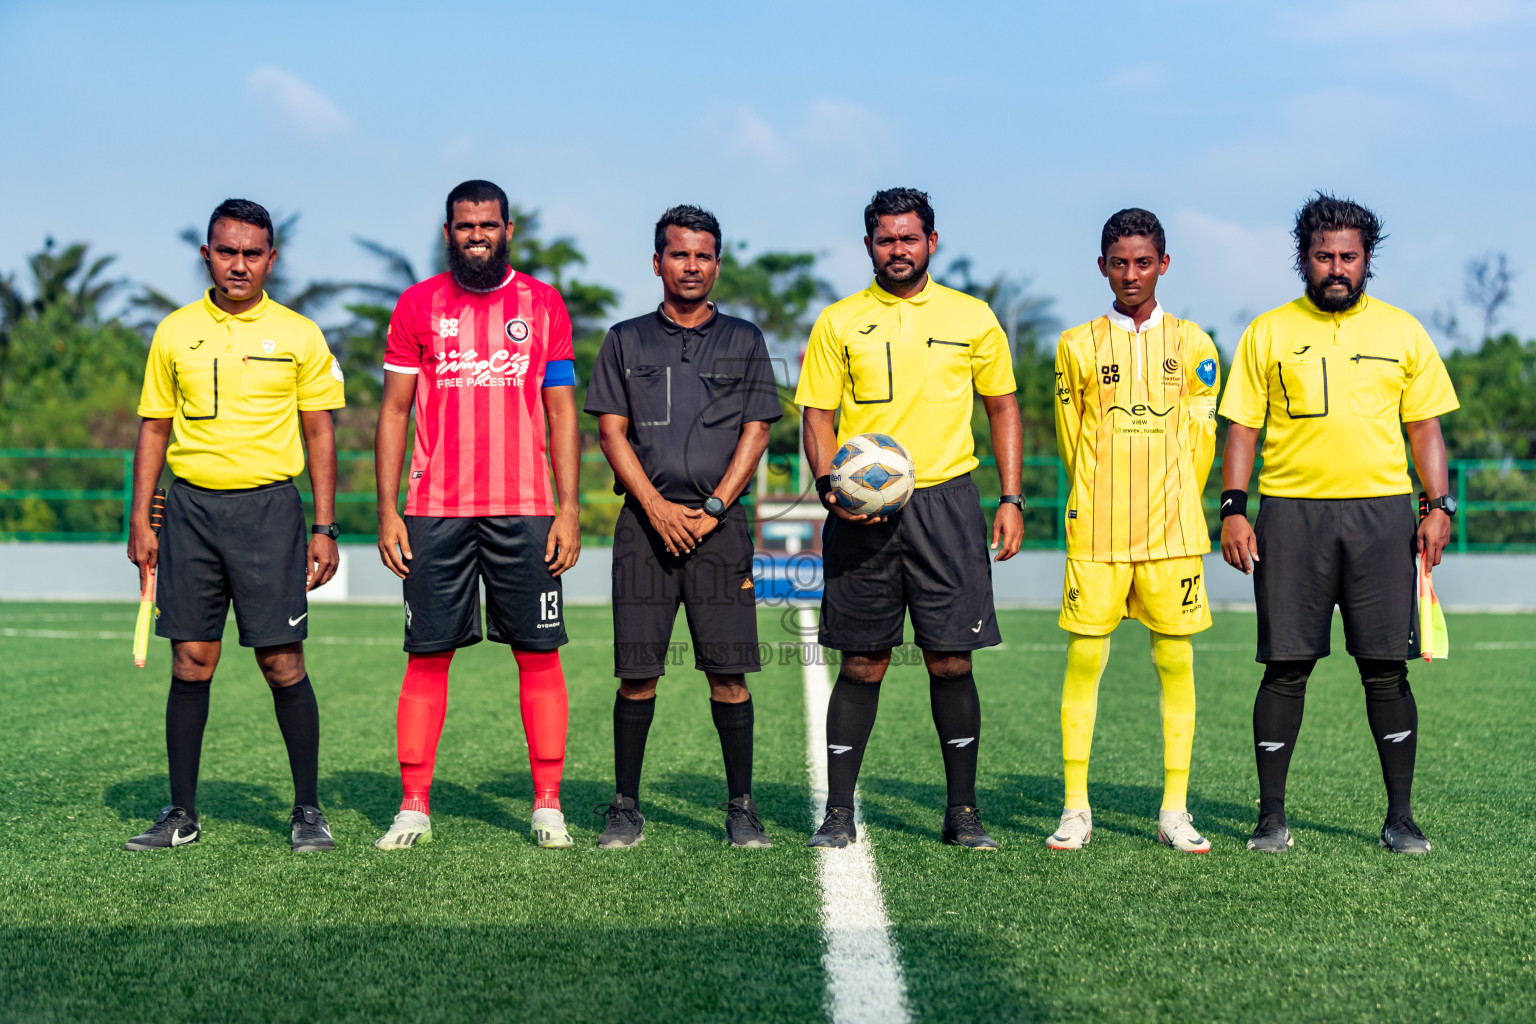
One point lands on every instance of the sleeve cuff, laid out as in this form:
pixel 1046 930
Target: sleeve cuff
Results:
pixel 391 367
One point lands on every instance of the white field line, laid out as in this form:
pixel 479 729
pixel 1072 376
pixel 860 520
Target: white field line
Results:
pixel 864 982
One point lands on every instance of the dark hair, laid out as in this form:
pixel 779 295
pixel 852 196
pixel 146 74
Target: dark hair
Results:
pixel 689 218
pixel 246 212
pixel 477 191
pixel 892 202
pixel 1324 212
pixel 1129 222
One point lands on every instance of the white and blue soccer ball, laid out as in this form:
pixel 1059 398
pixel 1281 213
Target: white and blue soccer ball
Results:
pixel 872 475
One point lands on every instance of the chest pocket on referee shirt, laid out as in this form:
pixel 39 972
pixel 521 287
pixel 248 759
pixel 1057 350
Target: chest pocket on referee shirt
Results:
pixel 650 395
pixel 724 397
pixel 869 372
pixel 1303 387
pixel 947 370
pixel 268 379
pixel 1375 385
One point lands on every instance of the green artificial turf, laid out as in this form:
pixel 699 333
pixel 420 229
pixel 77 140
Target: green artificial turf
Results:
pixel 481 925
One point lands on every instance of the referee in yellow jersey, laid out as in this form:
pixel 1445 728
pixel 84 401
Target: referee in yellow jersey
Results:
pixel 1136 427
pixel 239 377
pixel 1335 376
pixel 906 357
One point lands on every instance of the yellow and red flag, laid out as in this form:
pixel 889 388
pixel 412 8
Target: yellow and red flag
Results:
pixel 1434 641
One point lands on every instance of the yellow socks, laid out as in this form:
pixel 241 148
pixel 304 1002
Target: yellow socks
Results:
pixel 1174 657
pixel 1086 657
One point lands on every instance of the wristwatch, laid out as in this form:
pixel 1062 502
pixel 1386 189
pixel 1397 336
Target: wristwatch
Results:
pixel 1012 499
pixel 1445 503
pixel 715 507
pixel 330 530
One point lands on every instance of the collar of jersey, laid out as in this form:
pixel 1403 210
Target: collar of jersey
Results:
pixel 890 300
pixel 511 273
pixel 1311 308
pixel 1128 325
pixel 673 327
pixel 254 313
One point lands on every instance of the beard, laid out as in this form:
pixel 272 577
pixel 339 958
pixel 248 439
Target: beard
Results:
pixel 1327 304
pixel 474 274
pixel 901 273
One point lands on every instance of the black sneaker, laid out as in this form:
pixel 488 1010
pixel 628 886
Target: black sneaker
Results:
pixel 174 827
pixel 1272 835
pixel 741 825
pixel 837 831
pixel 626 825
pixel 962 827
pixel 1403 836
pixel 311 832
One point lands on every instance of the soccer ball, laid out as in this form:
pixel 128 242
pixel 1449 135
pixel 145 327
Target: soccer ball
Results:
pixel 872 475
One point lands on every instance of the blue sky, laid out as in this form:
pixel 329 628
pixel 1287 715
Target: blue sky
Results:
pixel 1028 123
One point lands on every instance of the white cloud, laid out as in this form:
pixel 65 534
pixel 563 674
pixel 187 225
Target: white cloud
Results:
pixel 301 105
pixel 1223 269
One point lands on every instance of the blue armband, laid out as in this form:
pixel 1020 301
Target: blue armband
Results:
pixel 560 373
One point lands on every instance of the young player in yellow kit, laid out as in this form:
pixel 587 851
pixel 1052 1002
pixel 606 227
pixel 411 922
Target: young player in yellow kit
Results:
pixel 1136 427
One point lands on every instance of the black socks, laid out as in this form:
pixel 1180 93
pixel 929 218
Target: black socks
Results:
pixel 1389 707
pixel 850 717
pixel 298 716
pixel 1276 722
pixel 186 712
pixel 734 724
pixel 1394 718
pixel 957 716
pixel 631 724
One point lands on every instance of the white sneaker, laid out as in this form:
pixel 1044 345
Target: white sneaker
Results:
pixel 410 828
pixel 549 829
pixel 1074 832
pixel 1177 829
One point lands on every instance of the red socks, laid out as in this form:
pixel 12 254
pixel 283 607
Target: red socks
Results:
pixel 419 723
pixel 541 692
pixel 424 702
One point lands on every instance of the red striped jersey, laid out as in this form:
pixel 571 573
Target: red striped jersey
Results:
pixel 479 360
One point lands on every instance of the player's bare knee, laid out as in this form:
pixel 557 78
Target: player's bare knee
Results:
pixel 868 667
pixel 194 661
pixel 947 664
pixel 637 689
pixel 727 689
pixel 282 666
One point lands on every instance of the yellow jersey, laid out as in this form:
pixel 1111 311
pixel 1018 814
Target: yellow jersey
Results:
pixel 1136 429
pixel 909 368
pixel 1335 389
pixel 234 383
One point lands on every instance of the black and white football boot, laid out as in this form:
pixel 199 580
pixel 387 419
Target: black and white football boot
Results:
pixel 174 827
pixel 311 832
pixel 837 830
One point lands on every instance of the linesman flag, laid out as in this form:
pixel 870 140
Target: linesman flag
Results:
pixel 1434 641
pixel 147 598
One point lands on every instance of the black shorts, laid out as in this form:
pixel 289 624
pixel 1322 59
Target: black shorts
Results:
pixel 450 557
pixel 713 584
pixel 929 560
pixel 1356 553
pixel 248 546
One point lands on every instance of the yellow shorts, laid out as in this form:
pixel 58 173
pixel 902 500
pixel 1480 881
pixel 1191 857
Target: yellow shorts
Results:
pixel 1168 595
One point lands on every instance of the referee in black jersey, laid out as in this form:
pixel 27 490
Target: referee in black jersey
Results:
pixel 684 397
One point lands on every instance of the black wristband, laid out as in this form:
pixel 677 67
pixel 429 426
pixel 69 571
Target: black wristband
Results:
pixel 1234 503
pixel 823 487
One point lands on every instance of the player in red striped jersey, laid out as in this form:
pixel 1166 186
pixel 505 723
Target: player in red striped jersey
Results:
pixel 484 355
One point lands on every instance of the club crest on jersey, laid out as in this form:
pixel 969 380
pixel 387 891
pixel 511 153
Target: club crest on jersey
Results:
pixel 267 345
pixel 517 330
pixel 1206 371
